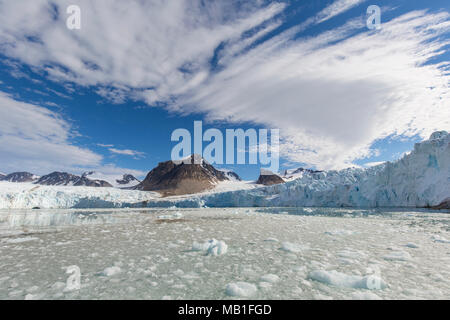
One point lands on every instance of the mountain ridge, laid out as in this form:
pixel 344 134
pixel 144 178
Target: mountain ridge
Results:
pixel 189 176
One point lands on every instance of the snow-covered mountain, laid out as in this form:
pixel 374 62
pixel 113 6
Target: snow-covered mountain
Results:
pixel 67 179
pixel 292 174
pixel 116 180
pixel 419 179
pixel 231 175
pixel 19 177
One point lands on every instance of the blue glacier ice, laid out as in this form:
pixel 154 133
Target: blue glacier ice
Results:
pixel 419 179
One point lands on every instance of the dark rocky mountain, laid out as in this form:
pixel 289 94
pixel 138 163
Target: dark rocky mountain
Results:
pixel 67 179
pixel 127 180
pixel 442 206
pixel 58 179
pixel 20 177
pixel 2 176
pixel 189 176
pixel 268 179
pixel 231 175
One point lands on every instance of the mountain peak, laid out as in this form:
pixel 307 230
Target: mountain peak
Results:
pixel 19 177
pixel 187 176
pixel 269 178
pixel 67 179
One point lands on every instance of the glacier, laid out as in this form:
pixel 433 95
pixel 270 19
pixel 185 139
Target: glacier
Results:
pixel 419 179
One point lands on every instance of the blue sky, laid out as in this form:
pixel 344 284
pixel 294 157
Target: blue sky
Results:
pixel 107 97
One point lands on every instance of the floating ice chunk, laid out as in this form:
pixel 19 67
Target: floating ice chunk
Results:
pixel 21 240
pixel 271 240
pixel 174 216
pixel 196 246
pixel 271 278
pixel 58 286
pixel 217 248
pixel 212 247
pixel 291 247
pixel 340 233
pixel 33 289
pixel 300 269
pixel 412 245
pixel 265 285
pixel 111 271
pixel 397 256
pixel 350 254
pixel 365 296
pixel 343 280
pixel 241 289
pixel 437 238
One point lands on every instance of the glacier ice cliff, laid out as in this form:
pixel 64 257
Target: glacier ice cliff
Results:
pixel 419 179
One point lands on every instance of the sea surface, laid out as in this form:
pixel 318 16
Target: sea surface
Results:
pixel 259 253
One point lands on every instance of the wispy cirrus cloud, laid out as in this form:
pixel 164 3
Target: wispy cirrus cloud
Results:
pixel 105 145
pixel 127 152
pixel 124 152
pixel 336 8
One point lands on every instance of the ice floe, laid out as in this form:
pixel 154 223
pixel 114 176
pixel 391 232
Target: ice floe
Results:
pixel 241 289
pixel 342 280
pixel 212 247
pixel 111 271
pixel 397 256
pixel 291 247
pixel 270 278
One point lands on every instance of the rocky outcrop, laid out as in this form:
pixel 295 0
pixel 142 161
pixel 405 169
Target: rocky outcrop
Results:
pixel 20 177
pixel 127 180
pixel 231 175
pixel 189 176
pixel 67 179
pixel 269 179
pixel 444 205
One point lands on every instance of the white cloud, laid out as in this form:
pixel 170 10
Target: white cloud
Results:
pixel 105 145
pixel 336 8
pixel 332 95
pixel 35 139
pixel 127 152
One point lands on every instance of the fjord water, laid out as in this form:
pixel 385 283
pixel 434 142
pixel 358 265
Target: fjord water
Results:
pixel 272 253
